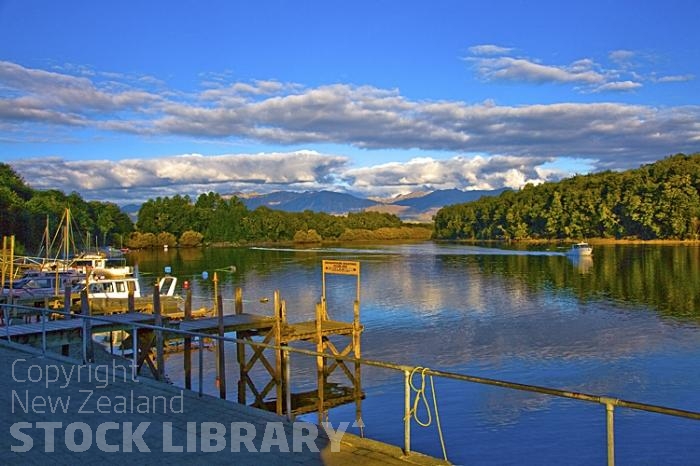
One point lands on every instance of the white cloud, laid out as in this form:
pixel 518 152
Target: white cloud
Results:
pixel 461 172
pixel 489 49
pixel 618 86
pixel 626 70
pixel 518 69
pixel 189 173
pixel 679 78
pixel 622 57
pixel 36 104
pixel 136 180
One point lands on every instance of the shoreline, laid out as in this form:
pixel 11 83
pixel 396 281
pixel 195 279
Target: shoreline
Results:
pixel 492 242
pixel 569 241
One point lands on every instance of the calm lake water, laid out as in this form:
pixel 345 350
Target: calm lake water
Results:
pixel 625 324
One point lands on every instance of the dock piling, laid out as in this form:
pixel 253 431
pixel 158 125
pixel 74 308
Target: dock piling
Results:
pixel 240 348
pixel 188 341
pixel 221 371
pixel 157 312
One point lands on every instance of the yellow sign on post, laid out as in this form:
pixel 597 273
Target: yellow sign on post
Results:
pixel 341 267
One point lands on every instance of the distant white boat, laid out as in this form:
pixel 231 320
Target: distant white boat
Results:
pixel 580 249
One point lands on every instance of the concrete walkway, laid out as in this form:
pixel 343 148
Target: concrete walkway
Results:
pixel 53 411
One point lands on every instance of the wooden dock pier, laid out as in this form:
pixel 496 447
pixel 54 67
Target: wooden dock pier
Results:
pixel 278 331
pixel 49 327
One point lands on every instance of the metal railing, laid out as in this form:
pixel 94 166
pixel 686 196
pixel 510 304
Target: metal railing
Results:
pixel 609 402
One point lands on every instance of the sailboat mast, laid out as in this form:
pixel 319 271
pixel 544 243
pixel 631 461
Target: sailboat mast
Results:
pixel 46 237
pixel 66 241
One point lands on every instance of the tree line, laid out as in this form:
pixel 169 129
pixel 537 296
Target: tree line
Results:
pixel 178 220
pixel 25 212
pixel 656 201
pixel 213 218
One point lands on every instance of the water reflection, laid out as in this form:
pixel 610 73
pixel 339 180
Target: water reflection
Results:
pixel 623 323
pixel 582 263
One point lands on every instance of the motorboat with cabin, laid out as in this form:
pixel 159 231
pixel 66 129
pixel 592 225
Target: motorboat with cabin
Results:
pixel 90 263
pixel 110 294
pixel 580 249
pixel 109 287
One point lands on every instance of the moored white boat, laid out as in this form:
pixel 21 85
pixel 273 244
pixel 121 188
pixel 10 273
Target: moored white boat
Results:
pixel 36 285
pixel 110 294
pixel 118 287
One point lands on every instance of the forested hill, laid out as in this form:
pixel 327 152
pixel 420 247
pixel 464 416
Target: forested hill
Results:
pixel 656 201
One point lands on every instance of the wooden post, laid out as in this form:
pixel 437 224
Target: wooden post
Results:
pixel 240 348
pixel 160 357
pixel 222 361
pixel 131 305
pixel 216 291
pixel 320 363
pixel 278 353
pixel 4 262
pixel 356 336
pixel 2 277
pixel 188 341
pixel 87 338
pixel 286 385
pixel 65 349
pixel 12 267
pixel 67 294
pixel 12 257
pixel 238 299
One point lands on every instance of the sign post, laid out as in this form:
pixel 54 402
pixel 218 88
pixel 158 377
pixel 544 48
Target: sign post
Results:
pixel 341 268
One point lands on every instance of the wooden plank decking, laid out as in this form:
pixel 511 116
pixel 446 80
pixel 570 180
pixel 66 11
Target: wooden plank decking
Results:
pixel 232 323
pixel 31 331
pixel 253 322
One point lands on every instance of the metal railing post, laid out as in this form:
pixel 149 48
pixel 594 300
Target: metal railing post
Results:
pixel 85 343
pixel 610 421
pixel 6 315
pixel 43 332
pixel 407 413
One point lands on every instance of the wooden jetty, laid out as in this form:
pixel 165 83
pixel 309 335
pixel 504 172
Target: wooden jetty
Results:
pixel 278 331
pixel 51 329
pixel 64 331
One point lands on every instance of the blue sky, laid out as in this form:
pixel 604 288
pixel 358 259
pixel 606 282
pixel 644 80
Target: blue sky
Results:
pixel 128 100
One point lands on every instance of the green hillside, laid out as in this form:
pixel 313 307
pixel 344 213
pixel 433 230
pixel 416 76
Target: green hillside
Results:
pixel 656 201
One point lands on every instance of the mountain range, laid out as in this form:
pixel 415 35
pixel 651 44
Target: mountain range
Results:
pixel 418 207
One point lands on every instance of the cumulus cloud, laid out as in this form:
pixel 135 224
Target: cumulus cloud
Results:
pixel 615 135
pixel 618 86
pixel 136 180
pixel 32 89
pixel 361 116
pixel 625 70
pixel 518 69
pixel 140 179
pixel 426 173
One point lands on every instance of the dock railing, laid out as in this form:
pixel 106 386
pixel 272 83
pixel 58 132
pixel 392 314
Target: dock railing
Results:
pixel 609 403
